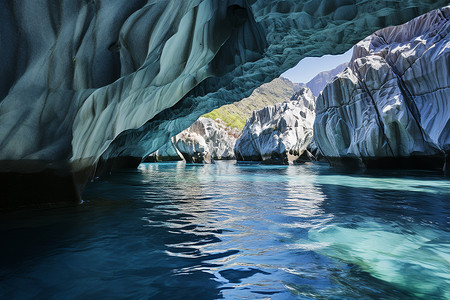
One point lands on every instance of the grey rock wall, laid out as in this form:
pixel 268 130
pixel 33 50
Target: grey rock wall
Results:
pixel 168 152
pixel 219 138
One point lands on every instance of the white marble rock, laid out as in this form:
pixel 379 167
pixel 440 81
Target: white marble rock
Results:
pixel 394 99
pixel 279 133
pixel 203 142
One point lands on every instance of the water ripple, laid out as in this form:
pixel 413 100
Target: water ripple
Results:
pixel 171 231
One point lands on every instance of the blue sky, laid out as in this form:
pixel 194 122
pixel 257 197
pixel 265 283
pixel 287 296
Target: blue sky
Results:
pixel 309 67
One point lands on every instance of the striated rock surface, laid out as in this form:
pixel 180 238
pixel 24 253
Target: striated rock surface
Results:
pixel 82 80
pixel 204 141
pixel 279 133
pixel 219 138
pixel 193 148
pixel 391 107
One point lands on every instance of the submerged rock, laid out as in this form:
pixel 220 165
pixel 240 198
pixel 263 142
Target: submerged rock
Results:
pixel 279 133
pixel 391 107
pixel 81 80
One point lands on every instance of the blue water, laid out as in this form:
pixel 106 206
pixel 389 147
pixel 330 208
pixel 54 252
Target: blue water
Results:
pixel 176 231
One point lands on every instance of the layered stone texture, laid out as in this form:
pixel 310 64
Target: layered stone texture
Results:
pixel 391 107
pixel 193 148
pixel 288 32
pixel 203 142
pixel 278 134
pixel 81 80
pixel 219 138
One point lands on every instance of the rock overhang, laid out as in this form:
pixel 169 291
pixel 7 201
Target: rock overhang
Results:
pixel 81 79
pixel 289 36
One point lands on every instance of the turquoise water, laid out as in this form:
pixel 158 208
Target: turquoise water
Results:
pixel 176 231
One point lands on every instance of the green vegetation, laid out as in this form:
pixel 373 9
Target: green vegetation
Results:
pixel 236 114
pixel 230 115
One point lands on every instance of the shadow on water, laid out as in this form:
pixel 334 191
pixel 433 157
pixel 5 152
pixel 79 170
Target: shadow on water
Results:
pixel 171 231
pixel 125 241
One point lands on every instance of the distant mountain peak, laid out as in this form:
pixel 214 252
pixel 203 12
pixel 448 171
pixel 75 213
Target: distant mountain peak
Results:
pixel 318 83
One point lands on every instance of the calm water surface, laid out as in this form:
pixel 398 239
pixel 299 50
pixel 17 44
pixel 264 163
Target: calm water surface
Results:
pixel 176 231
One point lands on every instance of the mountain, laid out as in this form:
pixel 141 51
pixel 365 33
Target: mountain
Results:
pixel 235 115
pixel 318 83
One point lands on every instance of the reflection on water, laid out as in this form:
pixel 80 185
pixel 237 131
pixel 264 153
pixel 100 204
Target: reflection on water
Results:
pixel 171 231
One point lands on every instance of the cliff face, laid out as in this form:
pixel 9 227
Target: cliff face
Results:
pixel 82 80
pixel 278 133
pixel 391 106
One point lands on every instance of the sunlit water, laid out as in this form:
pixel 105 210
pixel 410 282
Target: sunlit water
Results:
pixel 174 231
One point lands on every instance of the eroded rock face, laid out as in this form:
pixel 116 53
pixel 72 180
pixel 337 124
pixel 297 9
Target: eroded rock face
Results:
pixel 85 79
pixel 219 138
pixel 278 134
pixel 168 152
pixel 193 148
pixel 392 106
pixel 288 32
pixel 203 142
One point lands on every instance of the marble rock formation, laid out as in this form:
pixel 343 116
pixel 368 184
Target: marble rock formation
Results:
pixel 391 107
pixel 203 142
pixel 280 133
pixel 193 148
pixel 168 152
pixel 84 83
pixel 219 138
